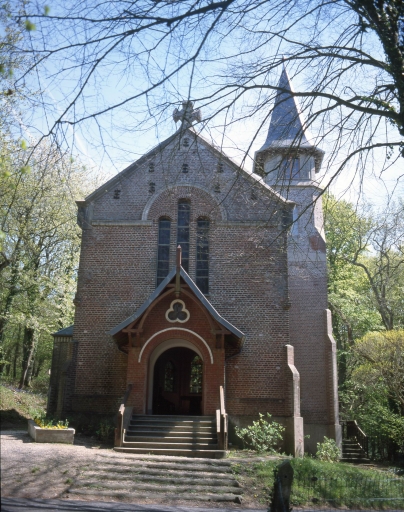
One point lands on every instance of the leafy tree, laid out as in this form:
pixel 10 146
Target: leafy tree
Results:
pixel 381 360
pixel 40 256
pixel 349 299
pixel 366 267
pixel 374 391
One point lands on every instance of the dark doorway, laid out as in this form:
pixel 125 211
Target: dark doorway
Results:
pixel 177 385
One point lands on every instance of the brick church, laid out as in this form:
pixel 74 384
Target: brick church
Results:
pixel 202 293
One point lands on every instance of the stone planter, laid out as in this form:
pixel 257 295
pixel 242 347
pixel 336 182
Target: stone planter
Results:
pixel 50 435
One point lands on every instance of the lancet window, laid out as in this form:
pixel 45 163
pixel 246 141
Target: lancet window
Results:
pixel 202 255
pixel 163 252
pixel 184 216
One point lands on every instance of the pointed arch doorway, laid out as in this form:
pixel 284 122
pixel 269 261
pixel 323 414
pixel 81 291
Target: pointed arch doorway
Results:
pixel 176 379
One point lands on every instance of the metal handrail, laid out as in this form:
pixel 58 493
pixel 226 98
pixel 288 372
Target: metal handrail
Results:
pixel 222 422
pixel 119 431
pixel 351 430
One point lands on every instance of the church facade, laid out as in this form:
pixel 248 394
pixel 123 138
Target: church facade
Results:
pixel 195 275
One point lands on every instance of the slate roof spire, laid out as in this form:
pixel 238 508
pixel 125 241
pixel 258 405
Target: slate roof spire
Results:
pixel 287 127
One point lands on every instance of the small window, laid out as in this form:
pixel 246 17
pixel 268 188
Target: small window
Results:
pixel 163 251
pixel 169 377
pixel 185 168
pixel 185 142
pixel 184 216
pixel 295 225
pixel 152 187
pixel 220 167
pixel 254 196
pixel 202 255
pixel 216 188
pixel 195 385
pixel 117 193
pixel 151 167
pixel 290 168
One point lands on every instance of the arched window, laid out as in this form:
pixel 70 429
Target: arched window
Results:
pixel 169 377
pixel 195 384
pixel 163 253
pixel 184 214
pixel 202 255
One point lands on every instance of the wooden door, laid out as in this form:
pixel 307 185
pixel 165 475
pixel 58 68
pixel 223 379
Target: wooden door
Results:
pixel 177 384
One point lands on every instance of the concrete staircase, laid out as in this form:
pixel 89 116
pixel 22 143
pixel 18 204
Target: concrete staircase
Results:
pixel 353 452
pixel 161 479
pixel 186 436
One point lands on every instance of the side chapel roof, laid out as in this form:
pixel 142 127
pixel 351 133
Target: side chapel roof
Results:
pixel 199 295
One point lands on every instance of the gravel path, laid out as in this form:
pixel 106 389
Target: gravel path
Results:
pixel 47 471
pixel 40 470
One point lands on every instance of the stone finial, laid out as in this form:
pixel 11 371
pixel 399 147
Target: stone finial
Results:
pixel 187 115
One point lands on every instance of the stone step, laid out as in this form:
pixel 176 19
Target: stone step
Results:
pixel 177 417
pixel 170 420
pixel 172 425
pixel 355 460
pixel 168 478
pixel 171 440
pixel 166 445
pixel 176 488
pixel 177 452
pixel 133 496
pixel 179 464
pixel 170 433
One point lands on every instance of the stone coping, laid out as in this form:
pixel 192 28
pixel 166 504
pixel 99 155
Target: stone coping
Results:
pixel 50 435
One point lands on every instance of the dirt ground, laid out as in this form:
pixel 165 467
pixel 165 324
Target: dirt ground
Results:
pixel 39 470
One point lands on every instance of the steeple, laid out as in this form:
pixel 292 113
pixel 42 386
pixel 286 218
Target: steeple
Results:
pixel 288 137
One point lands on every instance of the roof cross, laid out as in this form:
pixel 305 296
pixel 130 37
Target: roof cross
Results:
pixel 187 115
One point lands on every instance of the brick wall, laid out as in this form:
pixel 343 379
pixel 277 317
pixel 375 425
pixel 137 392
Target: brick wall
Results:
pixel 249 284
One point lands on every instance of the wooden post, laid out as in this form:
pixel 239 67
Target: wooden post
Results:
pixel 282 488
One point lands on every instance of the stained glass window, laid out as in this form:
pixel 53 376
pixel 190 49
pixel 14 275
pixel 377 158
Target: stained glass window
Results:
pixel 163 253
pixel 184 214
pixel 202 255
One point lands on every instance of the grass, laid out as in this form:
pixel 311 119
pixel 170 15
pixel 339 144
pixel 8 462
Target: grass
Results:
pixel 17 406
pixel 333 484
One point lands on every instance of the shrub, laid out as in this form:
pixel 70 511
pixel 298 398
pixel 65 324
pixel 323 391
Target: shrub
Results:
pixel 328 451
pixel 262 435
pixel 44 422
pixel 105 432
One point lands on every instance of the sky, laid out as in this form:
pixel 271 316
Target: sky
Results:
pixel 109 143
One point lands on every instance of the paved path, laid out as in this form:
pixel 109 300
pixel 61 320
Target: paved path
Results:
pixel 26 504
pixel 38 505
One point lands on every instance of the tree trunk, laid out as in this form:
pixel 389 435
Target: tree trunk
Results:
pixel 13 290
pixel 6 364
pixel 29 346
pixel 16 353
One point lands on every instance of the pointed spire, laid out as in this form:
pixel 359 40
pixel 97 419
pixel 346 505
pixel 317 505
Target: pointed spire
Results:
pixel 287 127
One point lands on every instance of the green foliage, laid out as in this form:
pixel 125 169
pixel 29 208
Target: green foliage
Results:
pixel 44 422
pixel 319 482
pixel 380 361
pixel 30 26
pixel 41 249
pixel 328 451
pixel 262 435
pixel 105 432
pixel 18 406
